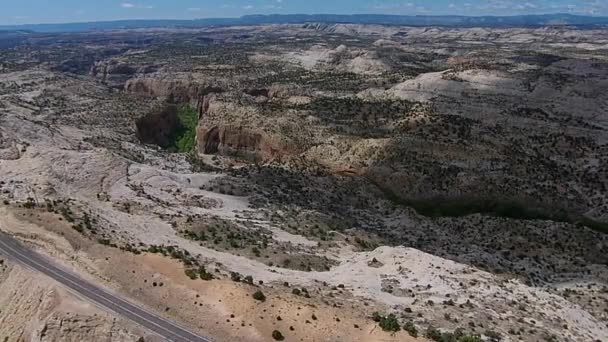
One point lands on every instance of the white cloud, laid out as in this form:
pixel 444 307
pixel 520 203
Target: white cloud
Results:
pixel 394 6
pixel 139 6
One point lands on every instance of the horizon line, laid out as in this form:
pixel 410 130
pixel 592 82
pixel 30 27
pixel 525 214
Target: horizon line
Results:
pixel 304 14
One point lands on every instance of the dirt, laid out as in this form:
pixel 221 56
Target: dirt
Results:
pixel 220 308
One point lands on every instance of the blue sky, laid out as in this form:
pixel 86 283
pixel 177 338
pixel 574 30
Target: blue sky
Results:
pixel 51 11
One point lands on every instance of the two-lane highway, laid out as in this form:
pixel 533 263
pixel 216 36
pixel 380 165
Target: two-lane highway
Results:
pixel 161 326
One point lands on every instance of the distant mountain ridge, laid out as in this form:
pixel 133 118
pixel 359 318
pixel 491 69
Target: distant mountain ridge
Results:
pixel 381 19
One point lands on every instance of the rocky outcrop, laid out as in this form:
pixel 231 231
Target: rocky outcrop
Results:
pixel 178 91
pixel 33 308
pixel 115 73
pixel 241 142
pixel 342 58
pixel 9 150
pixel 228 129
pixel 159 88
pixel 83 62
pixel 70 327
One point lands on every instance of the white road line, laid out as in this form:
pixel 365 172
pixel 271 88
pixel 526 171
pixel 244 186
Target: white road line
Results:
pixel 109 299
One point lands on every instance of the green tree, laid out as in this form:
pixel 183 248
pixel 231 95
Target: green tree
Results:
pixel 186 136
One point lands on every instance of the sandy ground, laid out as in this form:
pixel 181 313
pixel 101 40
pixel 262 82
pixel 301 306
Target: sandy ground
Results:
pixel 222 309
pixel 399 278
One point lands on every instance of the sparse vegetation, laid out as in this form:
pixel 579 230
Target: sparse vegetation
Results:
pixel 191 274
pixel 411 329
pixel 202 272
pixel 235 276
pixel 458 335
pixel 388 322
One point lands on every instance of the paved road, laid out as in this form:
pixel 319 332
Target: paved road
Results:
pixel 170 331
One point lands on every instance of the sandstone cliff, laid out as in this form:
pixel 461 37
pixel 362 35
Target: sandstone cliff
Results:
pixel 237 141
pixel 240 131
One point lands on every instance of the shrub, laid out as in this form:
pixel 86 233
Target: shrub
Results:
pixel 457 336
pixel 387 323
pixel 30 203
pixel 493 335
pixel 277 336
pixel 235 276
pixel 433 334
pixel 105 242
pixel 411 329
pixel 202 272
pixel 258 295
pixel 191 274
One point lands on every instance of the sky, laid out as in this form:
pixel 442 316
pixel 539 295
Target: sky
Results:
pixel 61 11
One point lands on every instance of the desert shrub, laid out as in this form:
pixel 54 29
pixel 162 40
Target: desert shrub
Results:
pixel 457 336
pixel 202 272
pixel 493 335
pixel 277 336
pixel 30 203
pixel 191 273
pixel 411 329
pixel 387 323
pixel 550 338
pixel 67 214
pixel 258 295
pixel 105 242
pixel 235 276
